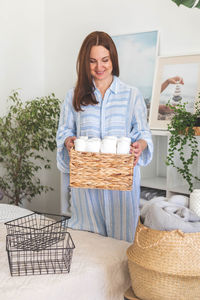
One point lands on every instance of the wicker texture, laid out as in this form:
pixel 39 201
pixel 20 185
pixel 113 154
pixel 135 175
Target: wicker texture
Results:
pixel 165 264
pixel 129 295
pixel 101 171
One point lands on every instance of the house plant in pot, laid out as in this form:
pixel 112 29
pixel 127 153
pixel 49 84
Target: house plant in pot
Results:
pixel 183 129
pixel 27 132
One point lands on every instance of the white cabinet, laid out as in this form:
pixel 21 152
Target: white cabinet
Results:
pixel 158 175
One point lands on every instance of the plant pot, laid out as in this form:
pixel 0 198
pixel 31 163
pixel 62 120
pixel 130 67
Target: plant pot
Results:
pixel 197 130
pixel 197 127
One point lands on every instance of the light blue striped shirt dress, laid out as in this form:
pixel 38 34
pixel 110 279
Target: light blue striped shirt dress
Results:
pixel 122 112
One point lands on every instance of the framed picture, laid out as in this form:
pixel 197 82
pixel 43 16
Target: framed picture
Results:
pixel 137 59
pixel 177 80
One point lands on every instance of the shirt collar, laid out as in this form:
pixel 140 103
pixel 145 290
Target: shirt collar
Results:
pixel 114 85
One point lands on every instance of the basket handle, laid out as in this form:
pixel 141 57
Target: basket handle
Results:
pixel 166 235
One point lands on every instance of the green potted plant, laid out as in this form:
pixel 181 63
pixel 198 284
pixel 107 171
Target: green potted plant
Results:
pixel 182 128
pixel 26 133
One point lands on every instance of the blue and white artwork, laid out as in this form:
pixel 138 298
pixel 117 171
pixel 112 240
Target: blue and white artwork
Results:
pixel 137 57
pixel 177 81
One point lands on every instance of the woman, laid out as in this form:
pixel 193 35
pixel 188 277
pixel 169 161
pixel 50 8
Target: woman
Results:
pixel 101 105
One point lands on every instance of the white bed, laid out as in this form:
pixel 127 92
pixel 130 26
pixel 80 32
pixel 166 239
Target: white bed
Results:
pixel 99 270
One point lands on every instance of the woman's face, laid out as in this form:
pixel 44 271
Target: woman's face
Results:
pixel 100 63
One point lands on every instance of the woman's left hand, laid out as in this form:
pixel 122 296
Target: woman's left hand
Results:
pixel 137 148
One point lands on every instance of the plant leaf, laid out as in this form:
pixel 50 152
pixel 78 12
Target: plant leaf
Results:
pixel 197 5
pixel 188 3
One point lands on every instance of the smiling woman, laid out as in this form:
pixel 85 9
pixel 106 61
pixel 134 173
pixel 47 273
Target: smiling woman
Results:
pixel 102 105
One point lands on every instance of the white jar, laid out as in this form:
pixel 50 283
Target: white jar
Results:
pixel 108 145
pixel 83 137
pixel 110 137
pixel 195 201
pixel 123 147
pixel 80 145
pixel 125 139
pixel 93 145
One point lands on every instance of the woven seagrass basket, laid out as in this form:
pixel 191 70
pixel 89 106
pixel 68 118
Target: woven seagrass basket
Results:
pixel 165 265
pixel 101 170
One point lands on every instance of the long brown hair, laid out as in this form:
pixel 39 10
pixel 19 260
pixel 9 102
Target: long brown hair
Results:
pixel 84 90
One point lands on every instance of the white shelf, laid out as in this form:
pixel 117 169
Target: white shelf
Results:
pixel 180 189
pixel 160 132
pixel 158 175
pixel 155 182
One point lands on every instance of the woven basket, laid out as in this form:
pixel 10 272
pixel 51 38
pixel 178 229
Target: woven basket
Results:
pixel 165 265
pixel 101 171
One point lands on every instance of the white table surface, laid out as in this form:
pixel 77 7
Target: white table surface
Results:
pixel 99 270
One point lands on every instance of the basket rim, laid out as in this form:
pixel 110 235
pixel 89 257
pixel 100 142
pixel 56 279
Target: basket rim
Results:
pixel 37 213
pixel 99 153
pixel 9 236
pixel 178 231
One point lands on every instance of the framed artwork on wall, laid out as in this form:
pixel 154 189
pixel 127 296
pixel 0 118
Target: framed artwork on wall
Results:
pixel 137 59
pixel 177 80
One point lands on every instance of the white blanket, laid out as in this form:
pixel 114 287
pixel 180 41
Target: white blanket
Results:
pixel 169 214
pixel 99 271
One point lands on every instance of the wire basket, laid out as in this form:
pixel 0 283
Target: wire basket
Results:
pixel 101 170
pixel 43 230
pixel 54 259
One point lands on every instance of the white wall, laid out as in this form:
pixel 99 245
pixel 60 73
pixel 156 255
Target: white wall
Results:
pixel 21 48
pixel 22 67
pixel 68 22
pixel 40 40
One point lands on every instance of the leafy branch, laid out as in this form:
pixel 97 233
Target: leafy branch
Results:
pixel 188 3
pixel 26 132
pixel 182 135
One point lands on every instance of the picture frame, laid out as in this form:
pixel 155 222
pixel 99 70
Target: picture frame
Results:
pixel 137 53
pixel 177 80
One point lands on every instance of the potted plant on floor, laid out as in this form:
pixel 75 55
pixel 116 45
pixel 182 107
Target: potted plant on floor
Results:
pixel 27 132
pixel 183 128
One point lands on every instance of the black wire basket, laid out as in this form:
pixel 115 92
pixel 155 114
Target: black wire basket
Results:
pixel 37 230
pixel 54 259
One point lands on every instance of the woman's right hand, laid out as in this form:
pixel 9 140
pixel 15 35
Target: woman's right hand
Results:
pixel 69 142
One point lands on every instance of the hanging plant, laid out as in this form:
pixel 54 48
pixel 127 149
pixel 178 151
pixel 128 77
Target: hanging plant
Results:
pixel 188 3
pixel 182 136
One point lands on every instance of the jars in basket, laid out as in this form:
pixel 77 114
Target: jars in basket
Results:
pixel 195 201
pixel 123 145
pixel 93 145
pixel 80 144
pixel 109 144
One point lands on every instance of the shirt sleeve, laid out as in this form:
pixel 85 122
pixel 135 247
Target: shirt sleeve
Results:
pixel 66 128
pixel 140 128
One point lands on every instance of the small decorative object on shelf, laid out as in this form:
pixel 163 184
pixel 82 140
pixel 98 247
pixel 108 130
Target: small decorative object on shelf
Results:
pixel 195 201
pixel 177 93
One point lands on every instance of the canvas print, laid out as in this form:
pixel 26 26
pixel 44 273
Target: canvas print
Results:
pixel 137 58
pixel 177 80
